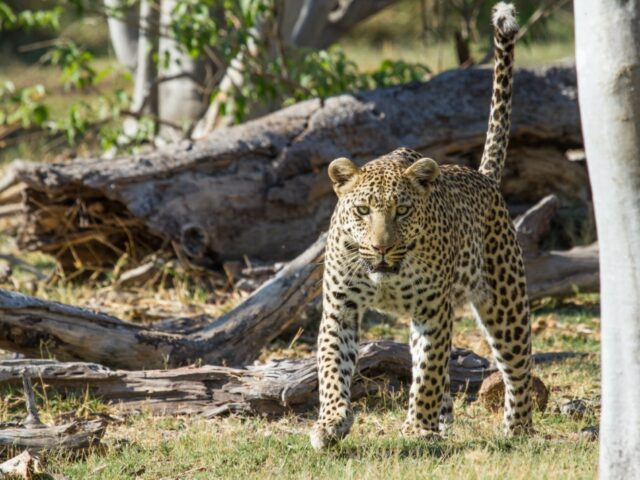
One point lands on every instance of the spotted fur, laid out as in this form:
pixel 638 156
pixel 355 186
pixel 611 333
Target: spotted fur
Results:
pixel 416 239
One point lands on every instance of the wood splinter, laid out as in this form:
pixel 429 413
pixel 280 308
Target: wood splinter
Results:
pixel 33 418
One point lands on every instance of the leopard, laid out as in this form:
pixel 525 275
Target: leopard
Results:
pixel 414 238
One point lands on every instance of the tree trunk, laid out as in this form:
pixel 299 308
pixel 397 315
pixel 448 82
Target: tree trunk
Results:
pixel 261 189
pixel 607 40
pixel 182 99
pixel 145 92
pixel 123 23
pixel 273 389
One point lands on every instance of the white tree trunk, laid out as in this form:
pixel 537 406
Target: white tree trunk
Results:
pixel 145 88
pixel 180 100
pixel 608 62
pixel 123 30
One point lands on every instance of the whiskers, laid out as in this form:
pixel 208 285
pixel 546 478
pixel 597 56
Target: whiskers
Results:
pixel 393 257
pixel 354 262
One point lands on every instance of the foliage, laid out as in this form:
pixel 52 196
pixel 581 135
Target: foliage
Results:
pixel 219 30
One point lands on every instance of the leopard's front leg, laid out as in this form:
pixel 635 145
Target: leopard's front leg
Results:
pixel 337 351
pixel 430 353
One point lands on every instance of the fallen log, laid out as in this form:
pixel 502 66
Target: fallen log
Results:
pixel 33 327
pixel 68 436
pixel 261 189
pixel 554 273
pixel 561 274
pixel 276 388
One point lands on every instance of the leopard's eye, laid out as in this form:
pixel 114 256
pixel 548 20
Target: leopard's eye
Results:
pixel 402 210
pixel 362 210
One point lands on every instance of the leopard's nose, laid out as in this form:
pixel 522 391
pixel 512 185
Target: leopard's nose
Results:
pixel 382 249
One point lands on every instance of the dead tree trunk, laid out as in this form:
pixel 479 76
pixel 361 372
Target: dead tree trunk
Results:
pixel 260 189
pixel 273 389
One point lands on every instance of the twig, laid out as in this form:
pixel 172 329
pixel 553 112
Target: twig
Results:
pixel 33 419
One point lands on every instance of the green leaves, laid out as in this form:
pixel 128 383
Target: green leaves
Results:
pixel 305 74
pixel 23 106
pixel 242 33
pixel 75 62
pixel 29 19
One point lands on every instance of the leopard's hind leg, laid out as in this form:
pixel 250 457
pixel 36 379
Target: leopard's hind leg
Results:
pixel 503 314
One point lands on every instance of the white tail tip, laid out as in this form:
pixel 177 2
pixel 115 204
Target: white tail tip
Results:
pixel 504 19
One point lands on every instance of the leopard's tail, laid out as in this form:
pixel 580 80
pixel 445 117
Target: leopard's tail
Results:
pixel 504 37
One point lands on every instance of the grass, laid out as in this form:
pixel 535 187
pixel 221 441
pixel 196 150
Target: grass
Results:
pixel 233 448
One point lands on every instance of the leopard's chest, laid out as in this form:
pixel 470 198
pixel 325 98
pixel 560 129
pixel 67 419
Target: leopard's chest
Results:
pixel 401 294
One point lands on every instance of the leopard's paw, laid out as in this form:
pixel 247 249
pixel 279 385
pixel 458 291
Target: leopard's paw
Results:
pixel 328 432
pixel 415 430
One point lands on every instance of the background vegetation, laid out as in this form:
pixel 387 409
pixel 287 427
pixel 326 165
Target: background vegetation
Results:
pixel 62 92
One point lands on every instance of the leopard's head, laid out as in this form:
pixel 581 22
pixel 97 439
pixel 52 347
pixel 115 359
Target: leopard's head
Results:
pixel 381 206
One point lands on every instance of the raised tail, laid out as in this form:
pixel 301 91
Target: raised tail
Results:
pixel 505 30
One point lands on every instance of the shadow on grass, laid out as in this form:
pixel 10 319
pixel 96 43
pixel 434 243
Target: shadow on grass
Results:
pixel 417 448
pixel 580 306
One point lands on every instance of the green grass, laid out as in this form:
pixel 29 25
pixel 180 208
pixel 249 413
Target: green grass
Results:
pixel 439 56
pixel 257 449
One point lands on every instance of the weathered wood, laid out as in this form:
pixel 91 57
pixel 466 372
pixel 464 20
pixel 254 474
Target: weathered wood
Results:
pixel 261 189
pixel 559 274
pixel 69 436
pixel 554 273
pixel 274 389
pixel 534 223
pixel 22 467
pixel 33 418
pixel 33 434
pixel 33 327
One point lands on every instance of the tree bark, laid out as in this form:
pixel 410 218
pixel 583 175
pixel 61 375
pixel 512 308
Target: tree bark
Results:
pixel 275 388
pixel 260 189
pixel 145 92
pixel 608 59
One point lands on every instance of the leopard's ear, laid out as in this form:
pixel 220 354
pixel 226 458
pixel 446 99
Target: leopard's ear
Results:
pixel 343 173
pixel 422 173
